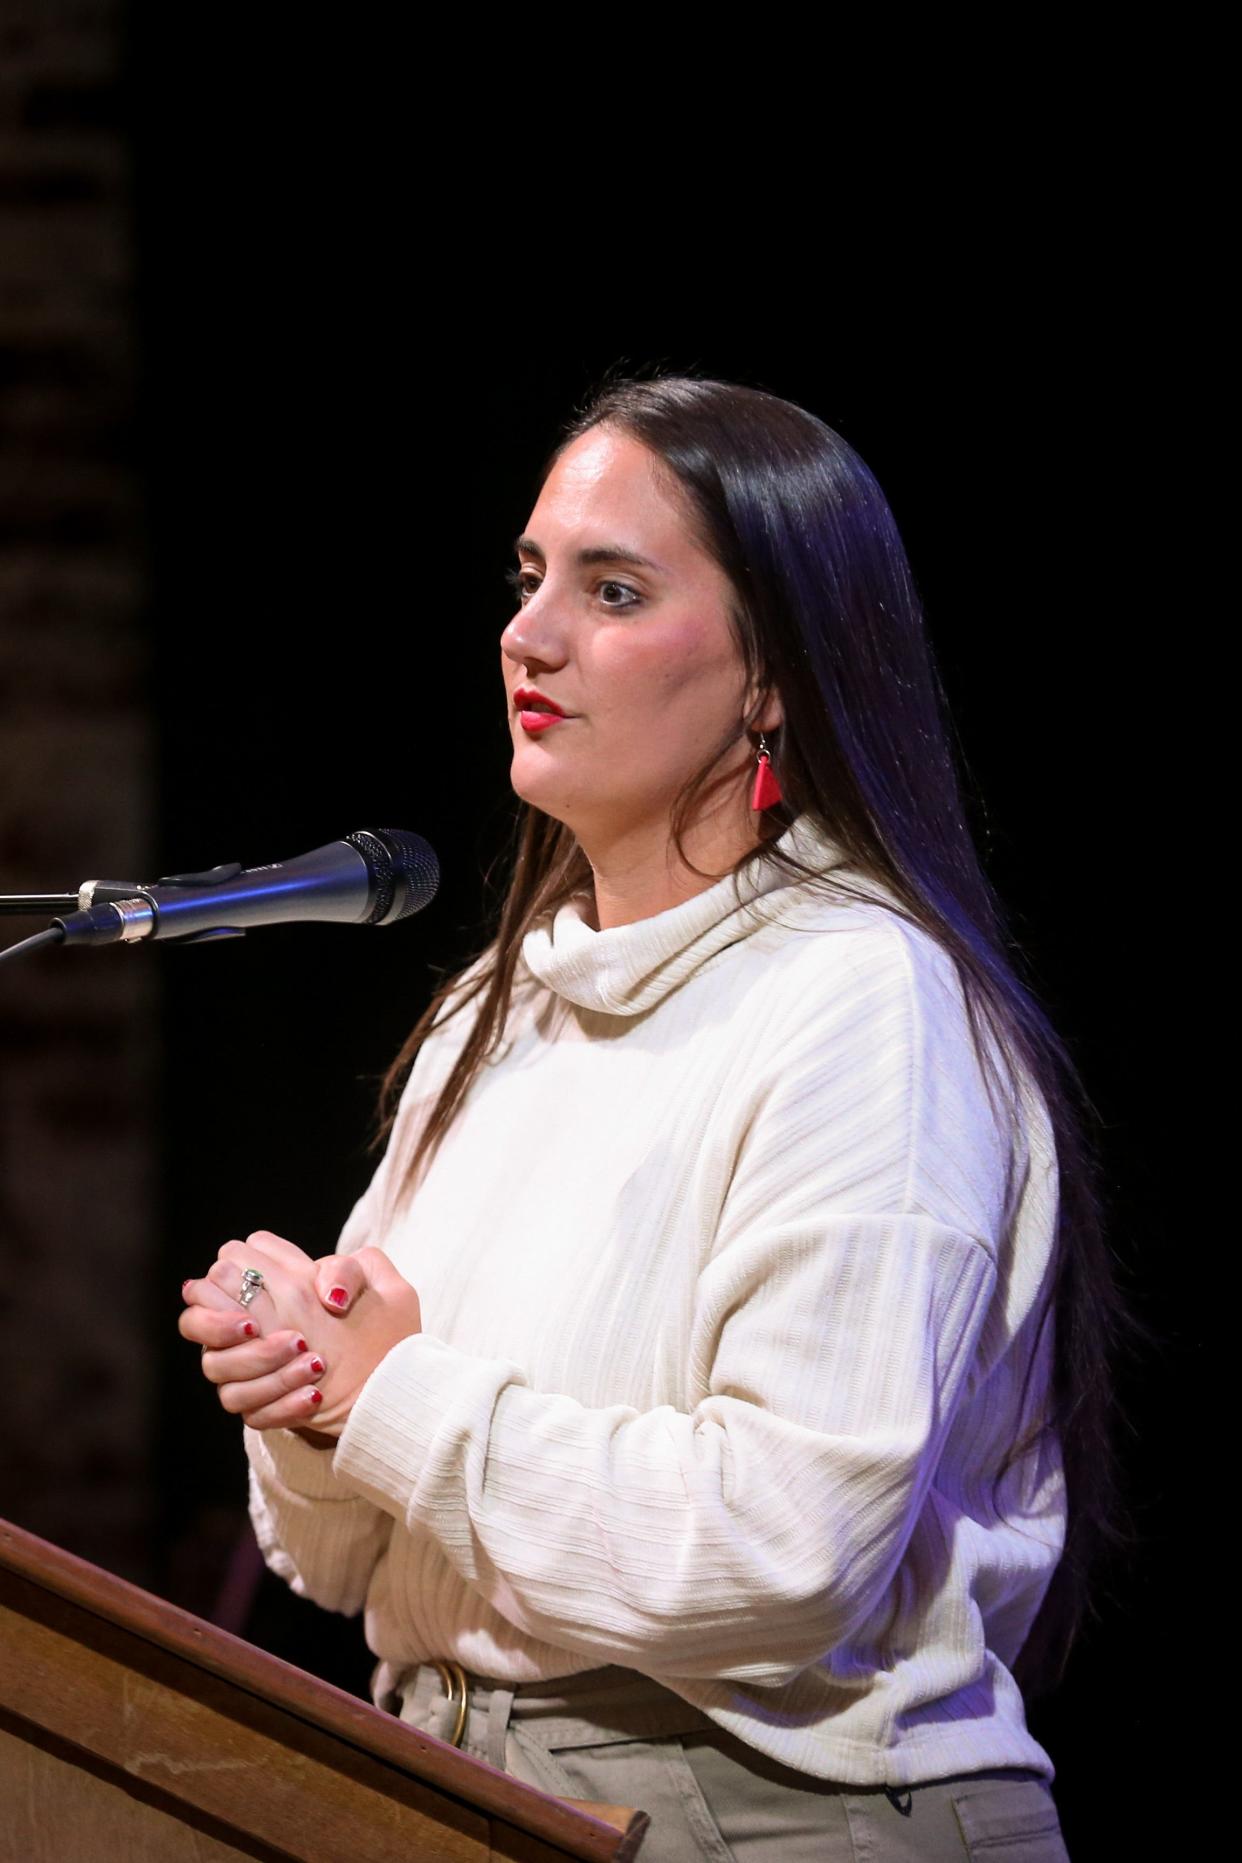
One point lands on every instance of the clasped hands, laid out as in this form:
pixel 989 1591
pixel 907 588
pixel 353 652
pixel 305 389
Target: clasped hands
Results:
pixel 302 1350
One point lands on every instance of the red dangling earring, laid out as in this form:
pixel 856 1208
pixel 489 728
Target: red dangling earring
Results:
pixel 767 791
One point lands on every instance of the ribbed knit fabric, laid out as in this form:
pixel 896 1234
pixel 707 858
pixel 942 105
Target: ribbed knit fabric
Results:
pixel 730 1274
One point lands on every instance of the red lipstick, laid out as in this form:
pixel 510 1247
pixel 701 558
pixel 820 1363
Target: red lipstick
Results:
pixel 536 711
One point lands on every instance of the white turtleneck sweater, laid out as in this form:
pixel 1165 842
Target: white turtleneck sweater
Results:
pixel 729 1276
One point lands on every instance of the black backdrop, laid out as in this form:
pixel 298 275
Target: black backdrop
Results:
pixel 342 411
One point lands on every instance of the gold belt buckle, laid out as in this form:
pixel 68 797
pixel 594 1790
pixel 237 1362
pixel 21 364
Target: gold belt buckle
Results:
pixel 453 1677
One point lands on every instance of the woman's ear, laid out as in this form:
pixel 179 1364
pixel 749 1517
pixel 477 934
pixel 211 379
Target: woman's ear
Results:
pixel 766 712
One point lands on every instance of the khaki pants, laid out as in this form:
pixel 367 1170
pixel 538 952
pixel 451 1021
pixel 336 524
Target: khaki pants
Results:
pixel 616 1737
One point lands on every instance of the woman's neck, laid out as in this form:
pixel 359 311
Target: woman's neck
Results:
pixel 638 875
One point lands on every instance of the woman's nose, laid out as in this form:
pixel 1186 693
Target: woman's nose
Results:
pixel 533 634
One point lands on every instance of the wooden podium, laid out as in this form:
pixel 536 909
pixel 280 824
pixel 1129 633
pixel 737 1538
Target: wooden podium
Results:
pixel 133 1732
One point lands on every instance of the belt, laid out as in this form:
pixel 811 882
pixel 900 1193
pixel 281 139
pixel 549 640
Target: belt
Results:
pixel 588 1707
pixel 456 1687
pixel 583 1709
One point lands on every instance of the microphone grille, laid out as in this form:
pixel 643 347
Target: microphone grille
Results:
pixel 404 870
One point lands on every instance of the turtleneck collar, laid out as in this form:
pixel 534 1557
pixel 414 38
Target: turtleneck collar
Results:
pixel 628 968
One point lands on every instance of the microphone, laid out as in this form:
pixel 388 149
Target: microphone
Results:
pixel 374 877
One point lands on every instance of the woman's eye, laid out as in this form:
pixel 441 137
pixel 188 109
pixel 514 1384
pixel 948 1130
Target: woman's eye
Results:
pixel 625 589
pixel 516 578
pixel 525 583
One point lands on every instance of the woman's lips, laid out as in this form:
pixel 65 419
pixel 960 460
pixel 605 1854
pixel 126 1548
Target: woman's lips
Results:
pixel 539 721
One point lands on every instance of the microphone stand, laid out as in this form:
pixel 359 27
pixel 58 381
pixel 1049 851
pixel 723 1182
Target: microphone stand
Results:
pixel 39 905
pixel 33 905
pixel 90 893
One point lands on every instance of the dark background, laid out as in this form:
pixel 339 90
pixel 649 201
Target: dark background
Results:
pixel 340 370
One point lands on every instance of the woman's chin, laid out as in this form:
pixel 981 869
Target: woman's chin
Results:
pixel 538 787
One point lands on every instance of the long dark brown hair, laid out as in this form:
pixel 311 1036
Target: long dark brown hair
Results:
pixel 826 613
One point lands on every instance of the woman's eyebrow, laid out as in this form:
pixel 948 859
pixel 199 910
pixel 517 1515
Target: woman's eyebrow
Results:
pixel 599 553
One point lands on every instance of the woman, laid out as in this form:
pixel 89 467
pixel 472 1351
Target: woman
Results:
pixel 686 1400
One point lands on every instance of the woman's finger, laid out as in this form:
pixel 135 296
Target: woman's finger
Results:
pixel 217 1327
pixel 276 1248
pixel 339 1279
pixel 206 1292
pixel 225 1275
pixel 253 1359
pixel 297 1411
pixel 381 1274
pixel 258 1394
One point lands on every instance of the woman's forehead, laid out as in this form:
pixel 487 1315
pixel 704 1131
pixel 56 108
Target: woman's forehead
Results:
pixel 609 481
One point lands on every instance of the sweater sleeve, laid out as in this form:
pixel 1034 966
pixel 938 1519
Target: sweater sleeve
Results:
pixel 832 1336
pixel 314 1529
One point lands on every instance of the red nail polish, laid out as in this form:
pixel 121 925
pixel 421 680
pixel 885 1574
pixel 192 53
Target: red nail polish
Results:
pixel 248 1329
pixel 338 1296
pixel 316 1396
pixel 316 1366
pixel 302 1346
